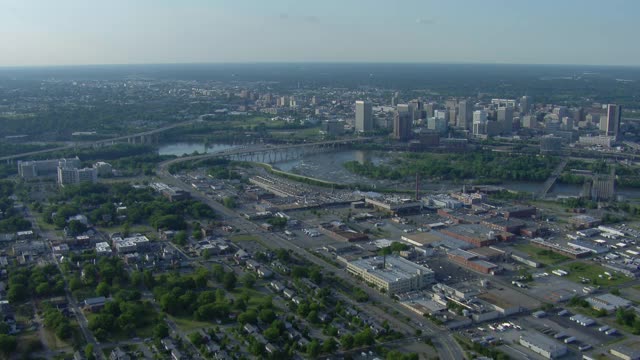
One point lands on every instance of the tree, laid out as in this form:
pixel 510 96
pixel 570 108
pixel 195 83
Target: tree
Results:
pixel 217 272
pixel 346 341
pixel 329 345
pixel 76 227
pixel 8 344
pixel 615 291
pixel 313 348
pixel 161 330
pixel 88 352
pixel 229 280
pixel 249 316
pixel 248 280
pixel 267 316
pixel 17 292
pixel 103 289
pixel 180 238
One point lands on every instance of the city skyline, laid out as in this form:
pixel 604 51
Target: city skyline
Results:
pixel 39 33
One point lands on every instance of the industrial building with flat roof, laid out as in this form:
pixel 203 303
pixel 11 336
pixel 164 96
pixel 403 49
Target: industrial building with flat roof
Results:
pixel 543 345
pixel 608 302
pixel 476 234
pixel 472 261
pixel 394 205
pixel 392 274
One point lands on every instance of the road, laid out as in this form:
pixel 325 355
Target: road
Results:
pixel 444 343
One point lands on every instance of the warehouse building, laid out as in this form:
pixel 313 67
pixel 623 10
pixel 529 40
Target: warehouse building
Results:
pixel 472 261
pixel 542 345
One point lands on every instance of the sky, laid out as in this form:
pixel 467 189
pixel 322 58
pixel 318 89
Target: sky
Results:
pixel 77 32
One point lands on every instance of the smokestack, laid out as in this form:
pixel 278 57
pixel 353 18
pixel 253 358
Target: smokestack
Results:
pixel 417 186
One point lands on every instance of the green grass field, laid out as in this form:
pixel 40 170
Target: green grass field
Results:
pixel 188 325
pixel 580 269
pixel 543 256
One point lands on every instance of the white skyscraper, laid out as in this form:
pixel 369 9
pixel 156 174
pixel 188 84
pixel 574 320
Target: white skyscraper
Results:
pixel 364 116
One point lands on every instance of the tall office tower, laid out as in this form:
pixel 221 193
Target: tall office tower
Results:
pixel 479 122
pixel 284 101
pixel 364 116
pixel 314 100
pixel 610 124
pixel 402 125
pixel 578 115
pixel 529 122
pixel 430 108
pixel 567 123
pixel 453 117
pixel 439 125
pixel 480 116
pixel 525 104
pixel 465 115
pixel 415 108
pixel 505 119
pixel 394 101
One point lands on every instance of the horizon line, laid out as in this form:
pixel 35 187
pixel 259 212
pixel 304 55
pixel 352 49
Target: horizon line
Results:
pixel 42 66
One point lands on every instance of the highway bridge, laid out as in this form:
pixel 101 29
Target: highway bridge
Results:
pixel 145 137
pixel 270 153
pixel 552 179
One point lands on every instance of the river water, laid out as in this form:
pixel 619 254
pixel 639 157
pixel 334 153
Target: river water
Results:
pixel 329 167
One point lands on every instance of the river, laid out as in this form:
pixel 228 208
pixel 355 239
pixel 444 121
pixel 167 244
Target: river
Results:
pixel 328 166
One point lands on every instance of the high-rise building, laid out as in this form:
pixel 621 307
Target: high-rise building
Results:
pixel 610 124
pixel 479 122
pixel 364 116
pixel 567 123
pixel 525 104
pixel 529 122
pixel 430 108
pixel 561 111
pixel 480 116
pixel 505 119
pixel 578 115
pixel 465 115
pixel 402 125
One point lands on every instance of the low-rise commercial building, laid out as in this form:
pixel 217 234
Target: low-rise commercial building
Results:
pixel 392 274
pixel 472 261
pixel 543 345
pixel 608 302
pixel 477 235
pixel 393 205
pixel 131 244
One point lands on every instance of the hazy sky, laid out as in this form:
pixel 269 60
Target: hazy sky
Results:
pixel 60 32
